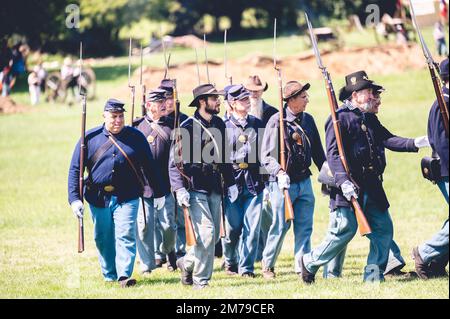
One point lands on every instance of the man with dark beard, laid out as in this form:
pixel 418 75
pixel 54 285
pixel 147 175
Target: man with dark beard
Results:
pixel 196 179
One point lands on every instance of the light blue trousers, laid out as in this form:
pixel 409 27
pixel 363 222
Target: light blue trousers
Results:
pixel 303 201
pixel 145 236
pixel 342 228
pixel 266 222
pixel 180 245
pixel 165 228
pixel 205 216
pixel 243 218
pixel 115 237
pixel 437 247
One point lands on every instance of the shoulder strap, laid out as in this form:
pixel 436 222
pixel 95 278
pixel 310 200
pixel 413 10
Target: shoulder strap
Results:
pixel 159 130
pixel 128 160
pixel 99 153
pixel 210 135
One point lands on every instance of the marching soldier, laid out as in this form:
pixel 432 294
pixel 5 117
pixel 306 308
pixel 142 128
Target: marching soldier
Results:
pixel 396 262
pixel 243 216
pixel 116 155
pixel 161 223
pixel 180 246
pixel 364 141
pixel 262 111
pixel 201 164
pixel 303 144
pixel 431 257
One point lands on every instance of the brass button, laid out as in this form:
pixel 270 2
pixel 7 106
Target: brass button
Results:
pixel 243 165
pixel 108 188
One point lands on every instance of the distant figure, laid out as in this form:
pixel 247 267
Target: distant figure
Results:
pixel 402 36
pixel 439 38
pixel 6 61
pixel 34 85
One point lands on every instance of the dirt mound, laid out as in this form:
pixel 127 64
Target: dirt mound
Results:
pixel 8 106
pixel 188 41
pixel 388 59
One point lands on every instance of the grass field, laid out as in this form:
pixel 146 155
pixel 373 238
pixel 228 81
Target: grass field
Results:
pixel 38 232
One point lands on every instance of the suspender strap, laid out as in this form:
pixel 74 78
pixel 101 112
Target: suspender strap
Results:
pixel 99 153
pixel 128 160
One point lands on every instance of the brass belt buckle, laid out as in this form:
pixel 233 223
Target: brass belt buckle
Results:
pixel 243 165
pixel 108 188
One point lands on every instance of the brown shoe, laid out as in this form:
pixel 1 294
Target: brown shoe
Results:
pixel 307 277
pixel 269 273
pixel 422 269
pixel 397 273
pixel 125 282
pixel 231 270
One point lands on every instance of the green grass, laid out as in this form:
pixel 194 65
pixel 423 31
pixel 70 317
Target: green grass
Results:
pixel 38 257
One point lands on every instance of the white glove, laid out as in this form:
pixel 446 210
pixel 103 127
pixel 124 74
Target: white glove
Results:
pixel 183 197
pixel 421 142
pixel 158 203
pixel 77 208
pixel 284 182
pixel 349 191
pixel 266 194
pixel 233 193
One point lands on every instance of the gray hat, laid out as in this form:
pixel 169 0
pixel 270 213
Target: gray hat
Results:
pixel 237 92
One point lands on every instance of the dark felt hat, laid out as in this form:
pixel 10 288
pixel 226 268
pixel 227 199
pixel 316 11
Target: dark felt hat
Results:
pixel 167 85
pixel 204 90
pixel 443 69
pixel 356 81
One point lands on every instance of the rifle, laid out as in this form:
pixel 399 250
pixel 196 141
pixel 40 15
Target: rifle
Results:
pixel 198 69
pixel 433 67
pixel 189 227
pixel 166 60
pixel 143 88
pixel 225 60
pixel 288 209
pixel 132 87
pixel 82 149
pixel 206 58
pixel 364 228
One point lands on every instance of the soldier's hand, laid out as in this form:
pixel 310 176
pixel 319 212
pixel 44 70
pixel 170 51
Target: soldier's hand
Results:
pixel 349 190
pixel 158 203
pixel 183 197
pixel 421 142
pixel 77 208
pixel 284 182
pixel 233 193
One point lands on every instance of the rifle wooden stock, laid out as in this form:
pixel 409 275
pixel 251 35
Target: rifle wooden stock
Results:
pixel 189 228
pixel 440 99
pixel 364 227
pixel 363 224
pixel 288 209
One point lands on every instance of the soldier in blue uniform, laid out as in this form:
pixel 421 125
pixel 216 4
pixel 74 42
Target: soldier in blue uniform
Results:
pixel 243 216
pixel 364 141
pixel 431 257
pixel 116 154
pixel 396 262
pixel 263 111
pixel 180 246
pixel 197 182
pixel 302 142
pixel 157 241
